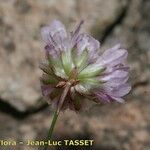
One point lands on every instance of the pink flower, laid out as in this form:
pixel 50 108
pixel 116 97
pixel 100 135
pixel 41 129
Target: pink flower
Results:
pixel 73 60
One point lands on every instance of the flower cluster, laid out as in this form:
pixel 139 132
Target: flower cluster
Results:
pixel 75 65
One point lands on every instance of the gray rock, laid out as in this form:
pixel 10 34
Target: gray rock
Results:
pixel 112 126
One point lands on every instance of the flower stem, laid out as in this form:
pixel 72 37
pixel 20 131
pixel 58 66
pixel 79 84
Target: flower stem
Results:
pixel 63 96
pixel 51 129
pixel 61 101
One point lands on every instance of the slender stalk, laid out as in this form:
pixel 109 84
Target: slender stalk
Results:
pixel 63 96
pixel 61 101
pixel 49 136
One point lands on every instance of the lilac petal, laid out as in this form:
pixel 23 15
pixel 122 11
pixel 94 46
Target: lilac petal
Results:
pixel 45 32
pixel 102 96
pixel 121 67
pixel 120 100
pixel 116 81
pixel 55 35
pixel 51 46
pixel 65 44
pixel 116 74
pixel 114 48
pixel 109 58
pixel 50 49
pixel 58 34
pixel 57 27
pixel 85 41
pixel 119 91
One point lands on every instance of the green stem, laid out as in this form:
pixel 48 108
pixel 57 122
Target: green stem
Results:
pixel 51 129
pixel 61 101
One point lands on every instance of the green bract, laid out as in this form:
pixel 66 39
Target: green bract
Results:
pixel 71 66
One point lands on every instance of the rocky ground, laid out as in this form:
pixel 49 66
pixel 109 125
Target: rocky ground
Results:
pixel 23 113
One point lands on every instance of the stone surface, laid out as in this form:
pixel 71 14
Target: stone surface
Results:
pixel 112 126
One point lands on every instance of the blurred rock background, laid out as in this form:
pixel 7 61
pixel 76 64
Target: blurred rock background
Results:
pixel 23 113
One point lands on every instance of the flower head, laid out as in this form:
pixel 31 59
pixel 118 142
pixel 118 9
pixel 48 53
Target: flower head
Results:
pixel 74 65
